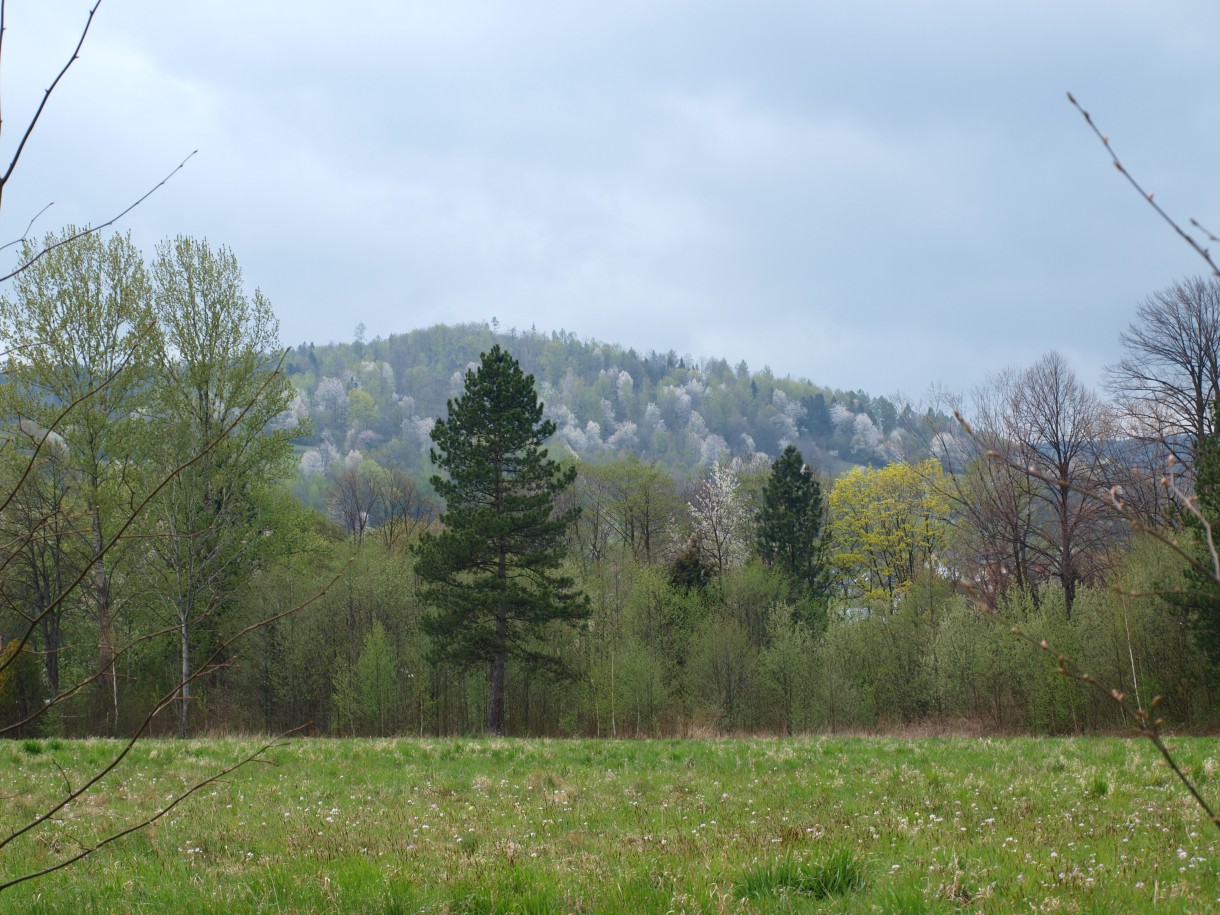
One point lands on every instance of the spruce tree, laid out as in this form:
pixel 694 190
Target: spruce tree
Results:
pixel 790 523
pixel 493 573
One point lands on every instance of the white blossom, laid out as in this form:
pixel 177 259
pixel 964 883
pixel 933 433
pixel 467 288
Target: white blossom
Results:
pixel 720 518
pixel 712 448
pixel 786 428
pixel 625 387
pixel 420 427
pixel 696 425
pixel 652 417
pixel 842 417
pixel 593 434
pixel 560 415
pixel 331 395
pixel 574 437
pixel 328 452
pixel 311 463
pixel 866 436
pixel 950 449
pixel 624 437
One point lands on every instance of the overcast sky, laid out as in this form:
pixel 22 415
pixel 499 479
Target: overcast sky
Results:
pixel 876 195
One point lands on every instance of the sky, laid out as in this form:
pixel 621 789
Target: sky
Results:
pixel 887 196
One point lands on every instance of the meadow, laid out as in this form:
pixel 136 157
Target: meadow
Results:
pixel 531 826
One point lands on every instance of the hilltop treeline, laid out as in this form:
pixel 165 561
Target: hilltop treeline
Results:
pixel 377 400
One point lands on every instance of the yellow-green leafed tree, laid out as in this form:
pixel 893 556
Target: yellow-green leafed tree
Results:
pixel 886 526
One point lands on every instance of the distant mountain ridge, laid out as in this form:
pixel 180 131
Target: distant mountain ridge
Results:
pixel 377 401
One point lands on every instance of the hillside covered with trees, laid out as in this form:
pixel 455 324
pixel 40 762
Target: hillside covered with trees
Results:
pixel 377 401
pixel 742 553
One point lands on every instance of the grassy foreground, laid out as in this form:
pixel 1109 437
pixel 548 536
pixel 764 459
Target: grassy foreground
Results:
pixel 799 825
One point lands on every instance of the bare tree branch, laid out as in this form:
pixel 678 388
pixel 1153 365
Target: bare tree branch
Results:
pixel 89 230
pixel 1148 196
pixel 46 96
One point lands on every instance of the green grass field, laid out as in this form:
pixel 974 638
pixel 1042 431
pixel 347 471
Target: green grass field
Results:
pixel 800 825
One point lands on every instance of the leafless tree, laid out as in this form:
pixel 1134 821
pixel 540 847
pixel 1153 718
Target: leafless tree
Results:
pixel 389 502
pixel 351 501
pixel 402 511
pixel 1170 377
pixel 1114 499
pixel 1047 440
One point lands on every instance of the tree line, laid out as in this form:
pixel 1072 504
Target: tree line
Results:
pixel 144 460
pixel 524 590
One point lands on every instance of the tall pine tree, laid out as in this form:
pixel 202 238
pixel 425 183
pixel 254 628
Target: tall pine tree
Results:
pixel 493 574
pixel 790 524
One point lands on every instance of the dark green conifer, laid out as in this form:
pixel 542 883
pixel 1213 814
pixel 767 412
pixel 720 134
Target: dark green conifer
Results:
pixel 493 574
pixel 790 523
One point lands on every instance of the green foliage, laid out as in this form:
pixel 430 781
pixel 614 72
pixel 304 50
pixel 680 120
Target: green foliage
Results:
pixel 790 523
pixel 366 699
pixel 691 569
pixel 23 689
pixel 494 572
pixel 888 525
pixel 361 408
pixel 81 338
pixel 1200 604
pixel 786 687
pixel 213 436
pixel 721 672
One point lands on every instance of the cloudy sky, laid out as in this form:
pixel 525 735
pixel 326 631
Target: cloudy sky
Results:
pixel 876 195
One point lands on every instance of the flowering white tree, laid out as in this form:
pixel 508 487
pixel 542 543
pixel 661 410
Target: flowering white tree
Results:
pixel 712 448
pixel 788 416
pixel 330 394
pixel 625 388
pixel 720 519
pixel 652 417
pixel 865 435
pixel 311 464
pixel 624 437
pixel 696 425
pixel 843 418
pixel 421 428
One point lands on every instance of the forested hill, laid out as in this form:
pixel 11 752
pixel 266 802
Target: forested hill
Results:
pixel 377 400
